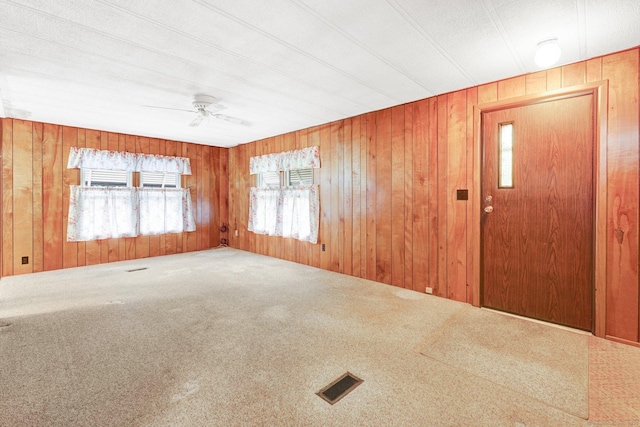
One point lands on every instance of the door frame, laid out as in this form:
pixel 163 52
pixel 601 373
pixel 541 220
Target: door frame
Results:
pixel 600 91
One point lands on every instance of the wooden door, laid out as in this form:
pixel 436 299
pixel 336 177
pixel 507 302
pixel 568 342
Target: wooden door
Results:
pixel 538 211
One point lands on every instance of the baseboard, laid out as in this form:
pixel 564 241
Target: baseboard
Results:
pixel 622 341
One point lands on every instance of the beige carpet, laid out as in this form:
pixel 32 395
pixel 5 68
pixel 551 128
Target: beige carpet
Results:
pixel 228 338
pixel 538 361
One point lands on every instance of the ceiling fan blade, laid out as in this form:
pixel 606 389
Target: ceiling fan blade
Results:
pixel 231 119
pixel 213 108
pixel 167 108
pixel 196 122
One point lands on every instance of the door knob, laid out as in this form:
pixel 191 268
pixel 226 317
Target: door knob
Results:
pixel 488 209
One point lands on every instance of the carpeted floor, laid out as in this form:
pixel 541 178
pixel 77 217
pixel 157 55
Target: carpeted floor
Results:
pixel 225 337
pixel 541 362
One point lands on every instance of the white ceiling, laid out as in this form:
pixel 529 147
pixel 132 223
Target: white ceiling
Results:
pixel 282 65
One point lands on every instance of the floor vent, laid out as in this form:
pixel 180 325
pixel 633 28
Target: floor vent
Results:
pixel 339 388
pixel 137 269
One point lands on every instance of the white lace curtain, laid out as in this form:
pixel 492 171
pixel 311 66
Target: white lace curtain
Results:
pixel 287 160
pixel 102 213
pixel 165 210
pixel 286 212
pixel 110 212
pixel 92 158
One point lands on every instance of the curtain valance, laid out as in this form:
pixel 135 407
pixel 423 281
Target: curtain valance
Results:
pixel 92 158
pixel 287 160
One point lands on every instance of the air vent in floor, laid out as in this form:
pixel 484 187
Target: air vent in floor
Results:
pixel 339 388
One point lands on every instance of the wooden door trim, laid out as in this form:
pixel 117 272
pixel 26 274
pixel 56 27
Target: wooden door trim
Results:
pixel 599 90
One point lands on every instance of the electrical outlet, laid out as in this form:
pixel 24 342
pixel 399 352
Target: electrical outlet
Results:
pixel 25 260
pixel 323 249
pixel 236 233
pixel 429 291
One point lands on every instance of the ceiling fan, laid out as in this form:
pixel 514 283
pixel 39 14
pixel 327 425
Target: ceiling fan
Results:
pixel 206 107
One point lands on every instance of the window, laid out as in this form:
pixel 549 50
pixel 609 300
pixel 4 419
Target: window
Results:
pixel 292 178
pixel 505 174
pixel 269 180
pixel 298 177
pixel 105 178
pixel 285 202
pixel 107 205
pixel 159 180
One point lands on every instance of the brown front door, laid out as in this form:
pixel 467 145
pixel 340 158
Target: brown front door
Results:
pixel 538 211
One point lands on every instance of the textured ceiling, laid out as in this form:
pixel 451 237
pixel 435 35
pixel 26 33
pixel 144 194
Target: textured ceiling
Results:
pixel 282 65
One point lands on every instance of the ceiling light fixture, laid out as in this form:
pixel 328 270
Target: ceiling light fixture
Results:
pixel 548 53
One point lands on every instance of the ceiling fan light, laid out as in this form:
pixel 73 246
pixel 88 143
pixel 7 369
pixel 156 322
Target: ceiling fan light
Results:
pixel 548 53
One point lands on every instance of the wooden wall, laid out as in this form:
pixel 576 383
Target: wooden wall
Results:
pixel 388 189
pixel 35 197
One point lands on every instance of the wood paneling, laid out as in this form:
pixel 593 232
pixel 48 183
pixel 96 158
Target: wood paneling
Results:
pixel 388 185
pixel 35 186
pixel 621 70
pixel 52 197
pixel 22 195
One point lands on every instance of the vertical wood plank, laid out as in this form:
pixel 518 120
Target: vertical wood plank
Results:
pixel 363 196
pixel 223 197
pixel 512 87
pixel 325 196
pixel 69 176
pixel 52 189
pixel 334 183
pixel 383 196
pixel 456 210
pixel 207 199
pixel 487 93
pixel 397 196
pixel 408 196
pixel 357 211
pixel 554 78
pixel 347 185
pixel 473 219
pixel 442 196
pixel 22 195
pixel 371 196
pixel 233 191
pixel 38 220
pixel 434 259
pixel 75 180
pixel 214 191
pixel 622 71
pixel 574 74
pixel 594 70
pixel 421 195
pixel 536 82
